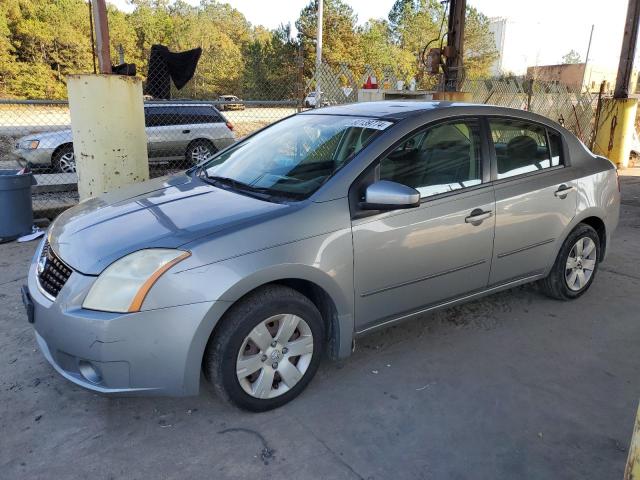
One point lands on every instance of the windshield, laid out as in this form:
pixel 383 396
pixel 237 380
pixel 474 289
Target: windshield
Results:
pixel 294 157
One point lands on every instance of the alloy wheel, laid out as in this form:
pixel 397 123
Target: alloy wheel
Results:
pixel 201 153
pixel 274 356
pixel 580 264
pixel 67 162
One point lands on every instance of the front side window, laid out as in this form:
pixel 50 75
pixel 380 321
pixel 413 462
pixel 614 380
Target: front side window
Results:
pixel 293 157
pixel 437 160
pixel 523 147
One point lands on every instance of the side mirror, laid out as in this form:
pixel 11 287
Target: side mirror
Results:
pixel 387 195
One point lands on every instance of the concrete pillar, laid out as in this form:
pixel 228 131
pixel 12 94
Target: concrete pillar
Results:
pixel 632 469
pixel 615 129
pixel 109 139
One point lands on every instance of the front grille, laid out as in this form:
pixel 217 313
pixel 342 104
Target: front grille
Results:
pixel 53 273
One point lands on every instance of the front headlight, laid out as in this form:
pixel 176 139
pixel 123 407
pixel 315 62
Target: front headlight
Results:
pixel 124 284
pixel 29 144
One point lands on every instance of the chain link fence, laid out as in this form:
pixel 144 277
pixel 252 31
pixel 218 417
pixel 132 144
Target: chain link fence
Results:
pixel 180 134
pixel 193 125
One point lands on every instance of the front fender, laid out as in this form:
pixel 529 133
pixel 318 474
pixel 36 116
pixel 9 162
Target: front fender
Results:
pixel 324 260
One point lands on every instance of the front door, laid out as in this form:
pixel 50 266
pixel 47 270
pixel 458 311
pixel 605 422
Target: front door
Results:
pixel 536 198
pixel 405 260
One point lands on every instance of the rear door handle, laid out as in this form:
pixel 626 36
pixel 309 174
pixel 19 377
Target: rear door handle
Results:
pixel 563 191
pixel 478 216
pixel 186 131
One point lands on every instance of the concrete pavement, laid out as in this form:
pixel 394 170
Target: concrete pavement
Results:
pixel 512 386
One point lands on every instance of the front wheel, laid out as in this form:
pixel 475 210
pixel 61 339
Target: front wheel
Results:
pixel 64 160
pixel 576 265
pixel 267 349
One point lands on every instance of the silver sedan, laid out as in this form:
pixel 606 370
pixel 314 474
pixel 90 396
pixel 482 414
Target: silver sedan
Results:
pixel 323 227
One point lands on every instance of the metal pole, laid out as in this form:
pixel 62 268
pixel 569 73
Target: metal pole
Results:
pixel 628 50
pixel 319 55
pixel 93 44
pixel 102 35
pixel 586 59
pixel 455 44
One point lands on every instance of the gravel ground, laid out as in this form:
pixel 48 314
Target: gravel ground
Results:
pixel 512 386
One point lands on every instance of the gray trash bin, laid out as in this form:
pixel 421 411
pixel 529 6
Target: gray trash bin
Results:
pixel 16 209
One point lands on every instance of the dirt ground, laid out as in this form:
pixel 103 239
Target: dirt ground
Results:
pixel 513 386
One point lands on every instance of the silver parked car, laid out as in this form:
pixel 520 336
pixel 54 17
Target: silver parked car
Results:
pixel 309 233
pixel 175 131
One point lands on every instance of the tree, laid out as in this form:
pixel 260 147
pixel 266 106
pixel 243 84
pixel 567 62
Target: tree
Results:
pixel 340 42
pixel 418 23
pixel 380 52
pixel 571 57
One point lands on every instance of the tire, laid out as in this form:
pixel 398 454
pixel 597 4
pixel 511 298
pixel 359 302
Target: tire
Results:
pixel 198 151
pixel 564 282
pixel 271 307
pixel 63 159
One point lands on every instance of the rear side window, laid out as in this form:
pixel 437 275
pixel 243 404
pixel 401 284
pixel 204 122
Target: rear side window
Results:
pixel 555 142
pixel 523 147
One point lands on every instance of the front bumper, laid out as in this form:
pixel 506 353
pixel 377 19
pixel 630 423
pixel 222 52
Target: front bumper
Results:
pixel 153 352
pixel 35 156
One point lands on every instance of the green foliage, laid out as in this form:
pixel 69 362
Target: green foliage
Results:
pixel 340 40
pixel 571 57
pixel 42 41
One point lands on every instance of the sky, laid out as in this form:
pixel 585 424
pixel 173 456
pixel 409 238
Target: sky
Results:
pixel 537 33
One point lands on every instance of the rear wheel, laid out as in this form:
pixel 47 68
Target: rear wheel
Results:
pixel 576 265
pixel 267 349
pixel 64 160
pixel 200 151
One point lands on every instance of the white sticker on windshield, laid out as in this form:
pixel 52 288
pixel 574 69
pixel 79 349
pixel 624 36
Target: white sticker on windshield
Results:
pixel 369 123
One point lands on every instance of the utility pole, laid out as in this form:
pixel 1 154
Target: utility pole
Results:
pixel 629 40
pixel 93 43
pixel 455 45
pixel 102 35
pixel 586 59
pixel 319 54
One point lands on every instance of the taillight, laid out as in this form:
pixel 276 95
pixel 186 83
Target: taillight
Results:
pixel 230 125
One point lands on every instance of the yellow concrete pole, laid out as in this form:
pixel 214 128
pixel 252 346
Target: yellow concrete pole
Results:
pixel 109 139
pixel 615 129
pixel 632 470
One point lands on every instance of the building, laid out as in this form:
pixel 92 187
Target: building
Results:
pixel 574 76
pixel 498 26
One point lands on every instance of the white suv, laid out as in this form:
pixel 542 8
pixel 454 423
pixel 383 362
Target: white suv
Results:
pixel 175 131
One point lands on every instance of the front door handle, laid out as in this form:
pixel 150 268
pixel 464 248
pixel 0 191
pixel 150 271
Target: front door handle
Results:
pixel 477 216
pixel 563 191
pixel 186 131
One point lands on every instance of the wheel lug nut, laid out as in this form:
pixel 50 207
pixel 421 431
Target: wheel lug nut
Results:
pixel 285 350
pixel 274 365
pixel 263 358
pixel 273 344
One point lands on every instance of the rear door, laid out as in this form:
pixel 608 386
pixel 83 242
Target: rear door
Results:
pixel 408 259
pixel 536 197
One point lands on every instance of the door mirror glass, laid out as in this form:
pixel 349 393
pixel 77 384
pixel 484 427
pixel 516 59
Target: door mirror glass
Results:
pixel 387 195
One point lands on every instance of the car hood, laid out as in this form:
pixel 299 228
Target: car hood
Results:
pixel 165 212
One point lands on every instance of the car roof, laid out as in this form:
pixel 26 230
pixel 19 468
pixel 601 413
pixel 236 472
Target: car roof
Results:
pixel 171 104
pixel 400 109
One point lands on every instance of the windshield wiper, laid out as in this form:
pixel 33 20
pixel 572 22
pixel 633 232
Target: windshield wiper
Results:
pixel 263 192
